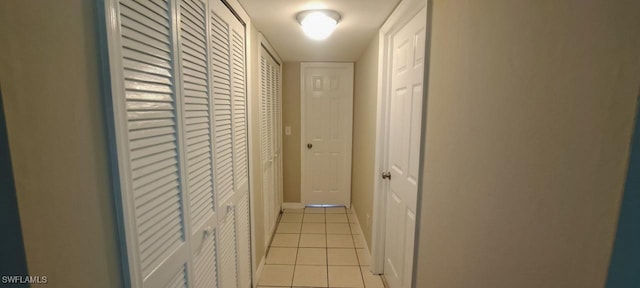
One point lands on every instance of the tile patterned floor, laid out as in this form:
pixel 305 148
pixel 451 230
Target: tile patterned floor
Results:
pixel 318 247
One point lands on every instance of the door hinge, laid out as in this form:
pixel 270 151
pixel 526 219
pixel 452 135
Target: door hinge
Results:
pixel 386 175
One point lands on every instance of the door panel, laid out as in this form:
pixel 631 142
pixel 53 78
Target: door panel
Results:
pixel 230 146
pixel 241 164
pixel 198 131
pixel 327 122
pixel 155 194
pixel 405 121
pixel 223 146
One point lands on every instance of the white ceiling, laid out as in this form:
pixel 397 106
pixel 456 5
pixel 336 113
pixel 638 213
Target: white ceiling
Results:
pixel 361 19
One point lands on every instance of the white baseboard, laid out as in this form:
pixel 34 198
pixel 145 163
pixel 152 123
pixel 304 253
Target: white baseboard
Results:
pixel 292 205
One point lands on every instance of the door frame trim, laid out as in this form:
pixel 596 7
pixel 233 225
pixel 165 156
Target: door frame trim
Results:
pixel 404 12
pixel 303 66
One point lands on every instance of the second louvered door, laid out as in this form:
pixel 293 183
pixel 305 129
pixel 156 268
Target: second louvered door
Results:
pixel 197 127
pixel 230 148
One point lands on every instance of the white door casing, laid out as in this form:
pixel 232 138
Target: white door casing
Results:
pixel 179 116
pixel 403 157
pixel 326 124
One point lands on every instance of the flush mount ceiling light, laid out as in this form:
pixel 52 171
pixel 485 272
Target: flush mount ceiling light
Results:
pixel 318 24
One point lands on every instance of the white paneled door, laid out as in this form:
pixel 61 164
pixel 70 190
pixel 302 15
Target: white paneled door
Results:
pixel 405 122
pixel 179 111
pixel 327 117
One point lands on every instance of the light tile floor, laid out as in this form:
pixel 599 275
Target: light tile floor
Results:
pixel 318 247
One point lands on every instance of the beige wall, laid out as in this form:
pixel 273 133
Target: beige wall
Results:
pixel 291 143
pixel 364 136
pixel 529 119
pixel 50 82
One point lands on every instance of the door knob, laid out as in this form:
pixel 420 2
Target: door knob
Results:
pixel 309 146
pixel 386 175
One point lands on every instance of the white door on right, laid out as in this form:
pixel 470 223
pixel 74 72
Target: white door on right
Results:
pixel 405 117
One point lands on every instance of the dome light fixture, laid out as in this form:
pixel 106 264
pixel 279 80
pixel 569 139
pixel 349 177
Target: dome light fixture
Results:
pixel 318 24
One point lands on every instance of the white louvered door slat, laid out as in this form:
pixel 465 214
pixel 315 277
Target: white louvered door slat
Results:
pixel 273 110
pixel 239 110
pixel 279 172
pixel 270 112
pixel 223 147
pixel 277 111
pixel 264 94
pixel 178 280
pixel 244 242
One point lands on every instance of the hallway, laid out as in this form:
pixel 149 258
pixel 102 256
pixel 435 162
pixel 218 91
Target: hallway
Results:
pixel 318 247
pixel 165 143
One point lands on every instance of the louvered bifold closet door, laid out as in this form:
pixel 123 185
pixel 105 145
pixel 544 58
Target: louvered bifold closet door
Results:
pixel 198 138
pixel 265 157
pixel 146 111
pixel 278 111
pixel 178 92
pixel 270 112
pixel 274 92
pixel 269 139
pixel 230 145
pixel 278 175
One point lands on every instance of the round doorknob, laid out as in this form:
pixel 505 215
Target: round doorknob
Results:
pixel 309 146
